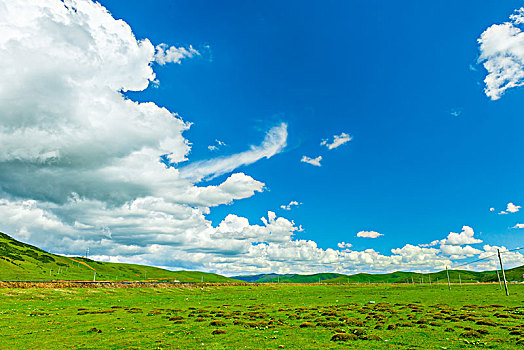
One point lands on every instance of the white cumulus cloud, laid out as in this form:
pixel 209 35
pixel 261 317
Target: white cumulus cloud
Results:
pixel 502 54
pixel 464 237
pixel 344 245
pixel 312 161
pixel 512 208
pixel 165 54
pixel 369 234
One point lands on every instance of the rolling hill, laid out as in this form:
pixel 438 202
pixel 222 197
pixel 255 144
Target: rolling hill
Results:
pixel 289 278
pixel 23 262
pixel 455 276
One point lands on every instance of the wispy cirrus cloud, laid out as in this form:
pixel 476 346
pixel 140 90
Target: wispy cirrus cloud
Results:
pixel 216 146
pixel 274 142
pixel 338 140
pixel 290 205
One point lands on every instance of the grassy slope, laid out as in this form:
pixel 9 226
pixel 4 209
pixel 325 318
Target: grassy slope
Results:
pixel 20 261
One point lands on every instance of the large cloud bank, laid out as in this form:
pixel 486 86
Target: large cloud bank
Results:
pixel 80 163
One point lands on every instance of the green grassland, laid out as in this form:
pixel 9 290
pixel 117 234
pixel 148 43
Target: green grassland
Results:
pixel 263 316
pixel 24 262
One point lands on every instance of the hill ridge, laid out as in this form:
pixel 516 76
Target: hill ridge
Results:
pixel 24 262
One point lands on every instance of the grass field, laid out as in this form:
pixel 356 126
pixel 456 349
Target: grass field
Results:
pixel 266 316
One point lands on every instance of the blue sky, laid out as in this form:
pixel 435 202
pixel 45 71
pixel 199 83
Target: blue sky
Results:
pixel 388 74
pixel 431 150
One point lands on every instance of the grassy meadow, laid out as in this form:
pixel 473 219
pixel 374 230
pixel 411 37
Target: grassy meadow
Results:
pixel 269 316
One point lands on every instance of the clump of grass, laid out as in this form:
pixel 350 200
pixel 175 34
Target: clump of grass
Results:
pixel 176 318
pixel 405 324
pixel 259 324
pixel 357 331
pixel 471 334
pixel 449 329
pixel 94 330
pixel 329 324
pixel 306 325
pixel 217 323
pixel 354 322
pixel 134 310
pixel 486 322
pixel 343 337
pixel 371 337
pixel 218 331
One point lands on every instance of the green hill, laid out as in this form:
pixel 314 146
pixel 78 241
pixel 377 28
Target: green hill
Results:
pixel 289 278
pixel 455 276
pixel 24 262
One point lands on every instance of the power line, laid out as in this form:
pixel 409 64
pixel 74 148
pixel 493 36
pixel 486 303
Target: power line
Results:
pixel 487 257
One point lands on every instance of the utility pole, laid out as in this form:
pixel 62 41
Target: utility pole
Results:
pixel 503 274
pixel 94 277
pixel 87 252
pixel 500 283
pixel 412 280
pixel 460 281
pixel 429 276
pixel 447 273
